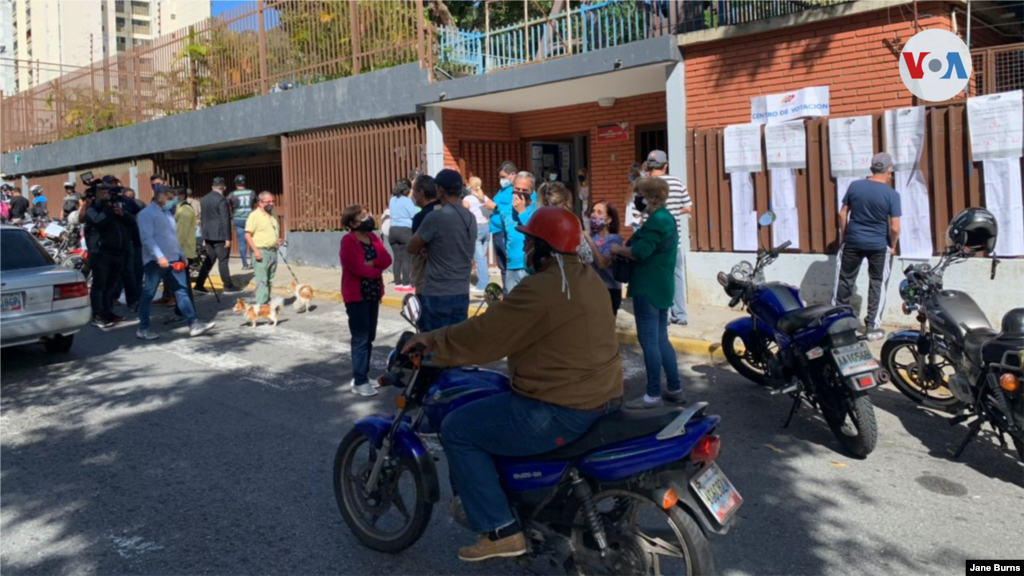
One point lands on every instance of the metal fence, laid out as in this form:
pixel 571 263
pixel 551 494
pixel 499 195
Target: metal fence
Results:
pixel 249 50
pixel 998 69
pixel 327 170
pixel 954 183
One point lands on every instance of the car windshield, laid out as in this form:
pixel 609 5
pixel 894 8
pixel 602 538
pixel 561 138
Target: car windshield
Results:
pixel 18 251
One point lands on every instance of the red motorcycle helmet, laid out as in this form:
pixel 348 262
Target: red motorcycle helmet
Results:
pixel 556 226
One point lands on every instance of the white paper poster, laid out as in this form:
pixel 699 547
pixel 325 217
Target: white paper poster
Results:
pixel 804 103
pixel 904 136
pixel 916 222
pixel 842 185
pixel 786 145
pixel 996 124
pixel 849 142
pixel 744 217
pixel 1003 199
pixel 787 219
pixel 743 148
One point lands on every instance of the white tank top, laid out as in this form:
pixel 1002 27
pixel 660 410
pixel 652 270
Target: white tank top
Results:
pixel 474 208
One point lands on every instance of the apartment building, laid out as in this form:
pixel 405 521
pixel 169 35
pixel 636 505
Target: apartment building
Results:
pixel 51 37
pixel 6 46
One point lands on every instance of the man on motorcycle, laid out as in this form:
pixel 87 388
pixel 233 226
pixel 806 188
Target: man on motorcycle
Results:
pixel 558 333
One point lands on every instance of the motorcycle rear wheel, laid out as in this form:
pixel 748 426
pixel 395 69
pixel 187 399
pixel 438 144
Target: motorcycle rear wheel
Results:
pixel 852 421
pixel 899 357
pixel 364 511
pixel 675 546
pixel 749 361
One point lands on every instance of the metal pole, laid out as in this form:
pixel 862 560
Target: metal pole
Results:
pixel 968 91
pixel 568 27
pixel 260 6
pixel 353 7
pixel 420 23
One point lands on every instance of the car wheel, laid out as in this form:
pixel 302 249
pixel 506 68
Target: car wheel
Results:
pixel 59 344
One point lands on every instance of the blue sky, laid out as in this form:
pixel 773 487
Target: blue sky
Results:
pixel 223 5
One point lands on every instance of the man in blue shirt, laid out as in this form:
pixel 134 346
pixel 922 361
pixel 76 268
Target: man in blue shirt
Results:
pixel 522 206
pixel 500 205
pixel 869 227
pixel 160 252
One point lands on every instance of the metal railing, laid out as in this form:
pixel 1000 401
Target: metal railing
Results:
pixel 594 26
pixel 241 53
pixel 998 69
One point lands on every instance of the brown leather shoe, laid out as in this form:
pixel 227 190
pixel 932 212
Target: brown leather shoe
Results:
pixel 485 548
pixel 166 302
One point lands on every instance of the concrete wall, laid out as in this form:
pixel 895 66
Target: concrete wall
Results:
pixel 318 249
pixel 814 274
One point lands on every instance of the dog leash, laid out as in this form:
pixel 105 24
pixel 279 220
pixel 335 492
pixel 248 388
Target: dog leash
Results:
pixel 280 255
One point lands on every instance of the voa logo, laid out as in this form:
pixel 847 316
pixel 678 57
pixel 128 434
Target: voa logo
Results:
pixel 935 65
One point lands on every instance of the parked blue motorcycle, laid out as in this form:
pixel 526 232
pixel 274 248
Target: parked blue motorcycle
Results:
pixel 814 354
pixel 636 494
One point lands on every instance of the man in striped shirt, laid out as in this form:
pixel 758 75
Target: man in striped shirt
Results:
pixel 679 205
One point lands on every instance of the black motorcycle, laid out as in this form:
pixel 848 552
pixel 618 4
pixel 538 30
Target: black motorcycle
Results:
pixel 956 361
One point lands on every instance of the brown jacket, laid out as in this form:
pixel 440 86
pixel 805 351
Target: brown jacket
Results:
pixel 560 350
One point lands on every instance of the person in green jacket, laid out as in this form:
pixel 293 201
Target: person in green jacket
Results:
pixel 652 288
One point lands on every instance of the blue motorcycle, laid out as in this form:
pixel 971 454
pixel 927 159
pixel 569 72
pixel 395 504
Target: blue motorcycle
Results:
pixel 814 354
pixel 636 494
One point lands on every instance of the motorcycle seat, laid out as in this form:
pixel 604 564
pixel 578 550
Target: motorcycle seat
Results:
pixel 803 317
pixel 974 340
pixel 618 426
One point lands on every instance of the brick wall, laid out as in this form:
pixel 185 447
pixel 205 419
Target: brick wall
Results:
pixel 608 161
pixel 857 57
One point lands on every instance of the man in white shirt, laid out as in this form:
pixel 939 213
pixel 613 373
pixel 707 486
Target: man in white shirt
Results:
pixel 680 206
pixel 160 252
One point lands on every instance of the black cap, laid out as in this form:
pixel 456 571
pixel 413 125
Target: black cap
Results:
pixel 449 180
pixel 218 181
pixel 240 180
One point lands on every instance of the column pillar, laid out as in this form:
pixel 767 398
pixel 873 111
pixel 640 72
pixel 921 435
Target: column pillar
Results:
pixel 675 103
pixel 435 140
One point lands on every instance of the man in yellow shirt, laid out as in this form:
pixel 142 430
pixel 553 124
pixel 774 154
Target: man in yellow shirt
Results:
pixel 263 236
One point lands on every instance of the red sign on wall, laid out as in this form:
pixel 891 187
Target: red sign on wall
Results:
pixel 613 132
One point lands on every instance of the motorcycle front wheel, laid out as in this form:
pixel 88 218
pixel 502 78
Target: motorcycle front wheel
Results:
pixel 643 538
pixel 392 515
pixel 751 362
pixel 899 357
pixel 851 419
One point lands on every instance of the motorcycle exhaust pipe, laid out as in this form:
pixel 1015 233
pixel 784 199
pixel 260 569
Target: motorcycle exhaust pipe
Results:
pixel 883 376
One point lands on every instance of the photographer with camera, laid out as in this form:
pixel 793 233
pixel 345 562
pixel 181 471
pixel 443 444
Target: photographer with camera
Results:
pixel 106 226
pixel 130 280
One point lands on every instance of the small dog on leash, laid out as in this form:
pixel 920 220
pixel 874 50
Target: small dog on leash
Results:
pixel 253 312
pixel 303 296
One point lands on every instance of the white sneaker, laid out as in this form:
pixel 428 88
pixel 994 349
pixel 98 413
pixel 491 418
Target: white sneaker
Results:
pixel 365 390
pixel 146 334
pixel 352 384
pixel 199 328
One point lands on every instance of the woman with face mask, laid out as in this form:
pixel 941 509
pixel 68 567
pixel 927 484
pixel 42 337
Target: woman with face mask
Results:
pixel 604 235
pixel 557 194
pixel 363 262
pixel 652 288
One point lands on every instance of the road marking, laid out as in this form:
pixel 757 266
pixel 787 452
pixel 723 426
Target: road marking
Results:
pixel 130 547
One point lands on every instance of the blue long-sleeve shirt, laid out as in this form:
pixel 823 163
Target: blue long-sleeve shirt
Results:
pixel 515 241
pixel 502 204
pixel 159 235
pixel 402 210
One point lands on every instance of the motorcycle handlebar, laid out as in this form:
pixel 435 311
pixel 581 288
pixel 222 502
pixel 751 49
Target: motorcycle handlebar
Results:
pixel 778 249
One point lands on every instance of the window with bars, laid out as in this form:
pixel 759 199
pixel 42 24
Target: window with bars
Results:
pixel 651 138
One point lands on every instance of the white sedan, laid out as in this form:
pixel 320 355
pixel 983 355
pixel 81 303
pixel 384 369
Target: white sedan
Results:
pixel 39 300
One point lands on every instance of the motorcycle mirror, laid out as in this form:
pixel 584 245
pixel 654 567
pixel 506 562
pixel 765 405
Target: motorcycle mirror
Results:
pixel 493 293
pixel 411 309
pixel 767 219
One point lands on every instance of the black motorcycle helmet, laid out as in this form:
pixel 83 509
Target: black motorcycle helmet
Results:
pixel 240 180
pixel 1013 322
pixel 973 228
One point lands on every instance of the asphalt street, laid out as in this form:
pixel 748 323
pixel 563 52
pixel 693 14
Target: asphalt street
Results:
pixel 213 455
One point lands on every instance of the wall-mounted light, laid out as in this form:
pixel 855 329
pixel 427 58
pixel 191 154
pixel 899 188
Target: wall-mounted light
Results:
pixel 606 102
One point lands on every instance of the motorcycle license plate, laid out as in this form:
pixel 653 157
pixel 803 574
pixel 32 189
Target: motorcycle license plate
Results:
pixel 12 302
pixel 719 496
pixel 854 359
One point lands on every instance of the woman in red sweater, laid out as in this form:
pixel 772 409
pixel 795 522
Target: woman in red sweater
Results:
pixel 363 261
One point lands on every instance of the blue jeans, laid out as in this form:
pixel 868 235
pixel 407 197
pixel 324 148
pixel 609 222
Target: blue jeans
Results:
pixel 652 332
pixel 173 281
pixel 505 424
pixel 243 248
pixel 513 278
pixel 362 325
pixel 441 311
pixel 679 299
pixel 483 238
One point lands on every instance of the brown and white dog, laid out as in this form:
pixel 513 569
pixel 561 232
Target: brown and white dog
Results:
pixel 303 296
pixel 254 312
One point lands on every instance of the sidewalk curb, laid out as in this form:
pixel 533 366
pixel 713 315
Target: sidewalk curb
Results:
pixel 688 346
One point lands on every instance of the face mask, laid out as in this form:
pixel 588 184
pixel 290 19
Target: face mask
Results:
pixel 632 177
pixel 170 204
pixel 553 177
pixel 640 203
pixel 581 178
pixel 505 183
pixel 597 223
pixel 269 208
pixel 367 225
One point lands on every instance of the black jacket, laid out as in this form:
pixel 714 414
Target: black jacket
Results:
pixel 104 231
pixel 19 206
pixel 216 217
